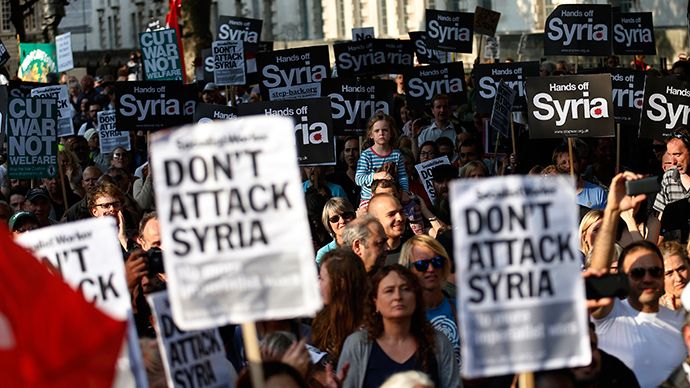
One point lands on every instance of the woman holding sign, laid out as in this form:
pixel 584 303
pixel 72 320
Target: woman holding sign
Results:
pixel 396 336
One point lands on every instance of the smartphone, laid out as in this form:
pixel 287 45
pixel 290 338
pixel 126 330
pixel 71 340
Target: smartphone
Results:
pixel 607 286
pixel 649 185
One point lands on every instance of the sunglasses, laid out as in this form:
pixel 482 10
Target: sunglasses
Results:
pixel 347 216
pixel 422 265
pixel 681 137
pixel 638 273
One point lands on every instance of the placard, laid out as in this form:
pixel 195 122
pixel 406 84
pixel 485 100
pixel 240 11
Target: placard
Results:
pixel 205 113
pixel 207 55
pixel 578 29
pixel 487 77
pixel 32 137
pixel 485 21
pixel 362 33
pixel 518 263
pixel 422 83
pixel 228 62
pixel 63 45
pixel 252 263
pixel 628 95
pixel 190 358
pixel 423 52
pixel 570 106
pixel 503 105
pixel 65 125
pixel 313 126
pixel 355 101
pixel 373 56
pixel 153 105
pixel 4 54
pixel 666 106
pixel 160 55
pixel 425 174
pixel 450 31
pixel 294 73
pixel 249 32
pixel 109 137
pixel 633 33
pixel 3 113
pixel 36 60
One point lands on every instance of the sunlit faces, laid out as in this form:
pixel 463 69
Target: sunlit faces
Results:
pixel 389 212
pixel 351 152
pixel 381 132
pixel 675 275
pixel 106 206
pixel 395 297
pixel 679 154
pixel 645 289
pixel 432 277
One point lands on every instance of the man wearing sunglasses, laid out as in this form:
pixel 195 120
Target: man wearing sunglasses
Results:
pixel 675 184
pixel 637 330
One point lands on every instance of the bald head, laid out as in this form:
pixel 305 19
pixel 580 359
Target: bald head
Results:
pixel 389 212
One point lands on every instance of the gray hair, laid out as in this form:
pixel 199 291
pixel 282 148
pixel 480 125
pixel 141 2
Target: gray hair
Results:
pixel 411 378
pixel 358 229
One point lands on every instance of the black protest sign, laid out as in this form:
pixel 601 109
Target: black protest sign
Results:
pixel 450 31
pixel 485 21
pixel 570 106
pixel 581 29
pixel 373 56
pixel 354 102
pixel 487 76
pixel 633 33
pixel 4 54
pixel 294 73
pixel 209 67
pixel 209 112
pixel 160 55
pixel 228 62
pixel 31 136
pixel 153 105
pixel 246 30
pixel 628 94
pixel 503 105
pixel 666 107
pixel 265 46
pixel 424 53
pixel 313 126
pixel 3 111
pixel 424 82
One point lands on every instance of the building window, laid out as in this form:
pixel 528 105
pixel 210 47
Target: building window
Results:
pixel 626 5
pixel 383 17
pixel 6 25
pixel 340 18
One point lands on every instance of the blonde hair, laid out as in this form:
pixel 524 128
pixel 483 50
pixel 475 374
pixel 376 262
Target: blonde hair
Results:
pixel 587 221
pixel 406 258
pixel 380 116
pixel 408 379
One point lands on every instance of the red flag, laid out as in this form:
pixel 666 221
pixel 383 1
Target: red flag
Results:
pixel 50 336
pixel 172 21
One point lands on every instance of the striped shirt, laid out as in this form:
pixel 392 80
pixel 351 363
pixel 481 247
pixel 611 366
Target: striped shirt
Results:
pixel 370 162
pixel 672 190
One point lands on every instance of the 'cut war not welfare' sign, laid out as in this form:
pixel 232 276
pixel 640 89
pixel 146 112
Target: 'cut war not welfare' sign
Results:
pixel 523 301
pixel 570 106
pixel 242 258
pixel 160 55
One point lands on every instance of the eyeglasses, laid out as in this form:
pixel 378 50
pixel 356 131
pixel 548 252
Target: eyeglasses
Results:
pixel 638 273
pixel 347 216
pixel 422 265
pixel 109 205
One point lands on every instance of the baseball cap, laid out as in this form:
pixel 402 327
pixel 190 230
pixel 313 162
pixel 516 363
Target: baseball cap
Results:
pixel 19 218
pixel 36 193
pixel 89 133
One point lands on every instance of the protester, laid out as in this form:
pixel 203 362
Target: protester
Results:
pixel 428 260
pixel 346 179
pixel 680 377
pixel 17 200
pixel 441 126
pixel 276 375
pixel 589 227
pixel 427 151
pixel 22 222
pixel 589 195
pixel 676 181
pixel 343 282
pixel 367 239
pixel 106 200
pixel 637 330
pixel 639 224
pixel 38 203
pixel 676 267
pixel 473 169
pixel 336 214
pixel 396 336
pixel 382 160
pixel 389 212
pixel 316 180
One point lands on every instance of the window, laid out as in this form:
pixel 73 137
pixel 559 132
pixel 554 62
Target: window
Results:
pixel 626 5
pixel 5 23
pixel 383 17
pixel 340 18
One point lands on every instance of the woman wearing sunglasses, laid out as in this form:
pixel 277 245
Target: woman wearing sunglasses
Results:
pixel 337 213
pixel 428 260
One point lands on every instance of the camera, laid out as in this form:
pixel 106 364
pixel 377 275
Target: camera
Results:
pixel 154 261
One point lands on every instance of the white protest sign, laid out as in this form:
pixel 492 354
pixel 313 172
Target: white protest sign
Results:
pixel 65 126
pixel 63 45
pixel 244 255
pixel 522 303
pixel 190 358
pixel 228 62
pixel 424 171
pixel 109 136
pixel 361 33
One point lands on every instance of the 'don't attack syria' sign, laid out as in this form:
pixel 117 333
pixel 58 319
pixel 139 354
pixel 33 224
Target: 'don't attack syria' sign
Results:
pixel 160 55
pixel 578 29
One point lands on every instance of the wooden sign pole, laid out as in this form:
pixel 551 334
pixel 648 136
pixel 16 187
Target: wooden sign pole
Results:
pixel 251 349
pixel 570 156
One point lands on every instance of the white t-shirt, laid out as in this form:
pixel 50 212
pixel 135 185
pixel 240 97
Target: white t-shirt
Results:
pixel 650 344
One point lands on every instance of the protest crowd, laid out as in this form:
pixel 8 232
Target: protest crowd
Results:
pixel 385 183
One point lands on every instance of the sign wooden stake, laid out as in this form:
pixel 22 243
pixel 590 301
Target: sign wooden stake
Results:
pixel 62 183
pixel 512 134
pixel 526 380
pixel 570 156
pixel 251 349
pixel 618 148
